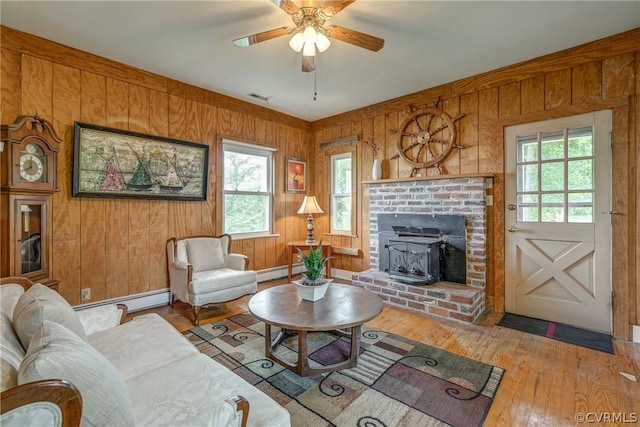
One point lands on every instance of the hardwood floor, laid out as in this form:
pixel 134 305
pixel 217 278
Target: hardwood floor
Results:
pixel 546 383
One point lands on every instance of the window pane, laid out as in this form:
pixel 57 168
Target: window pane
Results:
pixel 580 207
pixel 342 213
pixel 580 174
pixel 552 209
pixel 245 213
pixel 528 208
pixel 527 148
pixel 342 181
pixel 552 145
pixel 552 176
pixel 245 172
pixel 528 178
pixel 581 142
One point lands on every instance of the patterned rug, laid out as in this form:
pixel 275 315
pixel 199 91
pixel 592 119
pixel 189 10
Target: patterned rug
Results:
pixel 397 382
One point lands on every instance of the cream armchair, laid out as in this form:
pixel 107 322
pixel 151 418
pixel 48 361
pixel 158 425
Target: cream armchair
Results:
pixel 202 272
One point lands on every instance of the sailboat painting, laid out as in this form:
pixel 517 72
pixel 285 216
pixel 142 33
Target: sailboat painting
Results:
pixel 111 162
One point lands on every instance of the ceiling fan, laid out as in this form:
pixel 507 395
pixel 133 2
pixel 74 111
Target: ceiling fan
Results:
pixel 310 34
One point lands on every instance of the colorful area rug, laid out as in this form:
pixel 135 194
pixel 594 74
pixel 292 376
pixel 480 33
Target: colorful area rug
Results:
pixel 558 331
pixel 397 382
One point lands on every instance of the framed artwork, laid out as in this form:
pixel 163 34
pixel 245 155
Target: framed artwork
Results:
pixel 110 162
pixel 296 178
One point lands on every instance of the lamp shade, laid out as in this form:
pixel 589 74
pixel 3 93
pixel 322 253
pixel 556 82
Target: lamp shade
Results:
pixel 309 206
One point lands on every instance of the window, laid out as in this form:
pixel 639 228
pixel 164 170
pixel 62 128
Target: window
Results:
pixel 248 189
pixel 555 176
pixel 341 194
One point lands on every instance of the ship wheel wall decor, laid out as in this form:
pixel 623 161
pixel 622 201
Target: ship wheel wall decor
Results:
pixel 426 138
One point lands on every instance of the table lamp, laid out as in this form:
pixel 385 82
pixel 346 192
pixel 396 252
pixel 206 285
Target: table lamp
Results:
pixel 310 206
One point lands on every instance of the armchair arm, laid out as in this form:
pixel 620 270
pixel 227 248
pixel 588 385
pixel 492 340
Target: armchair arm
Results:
pixel 27 404
pixel 103 317
pixel 236 261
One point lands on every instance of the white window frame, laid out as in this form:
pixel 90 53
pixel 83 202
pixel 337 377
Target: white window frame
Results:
pixel 255 150
pixel 334 196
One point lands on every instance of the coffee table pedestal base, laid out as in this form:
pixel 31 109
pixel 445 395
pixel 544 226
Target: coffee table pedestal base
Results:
pixel 302 367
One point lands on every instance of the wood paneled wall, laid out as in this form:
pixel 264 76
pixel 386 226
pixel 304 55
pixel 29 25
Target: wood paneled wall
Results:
pixel 116 247
pixel 601 75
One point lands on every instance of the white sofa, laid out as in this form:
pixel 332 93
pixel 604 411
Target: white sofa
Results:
pixel 142 372
pixel 202 271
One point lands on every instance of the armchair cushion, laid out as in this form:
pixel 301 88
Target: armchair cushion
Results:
pixel 205 253
pixel 41 303
pixel 56 352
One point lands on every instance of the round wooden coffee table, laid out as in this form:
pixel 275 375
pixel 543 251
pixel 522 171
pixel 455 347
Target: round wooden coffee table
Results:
pixel 343 307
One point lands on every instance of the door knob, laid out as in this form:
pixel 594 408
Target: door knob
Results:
pixel 512 228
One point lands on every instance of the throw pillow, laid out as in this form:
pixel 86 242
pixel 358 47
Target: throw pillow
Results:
pixel 41 303
pixel 205 253
pixel 56 352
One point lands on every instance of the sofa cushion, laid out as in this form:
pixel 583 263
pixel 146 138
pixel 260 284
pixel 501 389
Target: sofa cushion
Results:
pixel 205 253
pixel 41 303
pixel 143 344
pixel 57 352
pixel 193 396
pixel 11 349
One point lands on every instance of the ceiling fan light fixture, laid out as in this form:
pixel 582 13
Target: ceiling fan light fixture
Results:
pixel 297 42
pixel 310 34
pixel 322 42
pixel 309 49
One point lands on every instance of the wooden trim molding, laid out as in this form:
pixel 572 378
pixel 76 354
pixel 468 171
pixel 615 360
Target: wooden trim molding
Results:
pixel 430 178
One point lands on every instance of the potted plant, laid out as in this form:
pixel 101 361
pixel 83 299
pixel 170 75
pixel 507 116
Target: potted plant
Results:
pixel 313 284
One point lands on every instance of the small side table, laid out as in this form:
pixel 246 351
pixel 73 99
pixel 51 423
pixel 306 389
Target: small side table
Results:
pixel 302 245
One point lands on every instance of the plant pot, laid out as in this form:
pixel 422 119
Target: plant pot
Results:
pixel 311 293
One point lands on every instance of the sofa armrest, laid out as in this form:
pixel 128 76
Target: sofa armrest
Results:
pixel 103 317
pixel 240 406
pixel 236 261
pixel 18 407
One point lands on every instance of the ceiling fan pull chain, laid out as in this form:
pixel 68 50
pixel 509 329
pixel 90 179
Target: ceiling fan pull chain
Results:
pixel 315 84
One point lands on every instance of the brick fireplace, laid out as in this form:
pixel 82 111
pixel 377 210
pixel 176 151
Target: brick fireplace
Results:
pixel 438 196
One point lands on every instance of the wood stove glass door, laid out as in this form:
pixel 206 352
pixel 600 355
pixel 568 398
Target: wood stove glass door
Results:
pixel 557 226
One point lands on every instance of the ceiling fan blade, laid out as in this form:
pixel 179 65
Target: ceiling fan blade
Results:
pixel 308 63
pixel 331 7
pixel 261 37
pixel 355 37
pixel 286 5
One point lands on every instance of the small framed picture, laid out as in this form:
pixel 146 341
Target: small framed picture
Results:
pixel 296 178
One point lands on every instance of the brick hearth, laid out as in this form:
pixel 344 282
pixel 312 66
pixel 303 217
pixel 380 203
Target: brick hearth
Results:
pixel 441 196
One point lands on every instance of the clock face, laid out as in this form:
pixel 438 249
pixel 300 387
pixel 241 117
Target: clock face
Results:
pixel 32 163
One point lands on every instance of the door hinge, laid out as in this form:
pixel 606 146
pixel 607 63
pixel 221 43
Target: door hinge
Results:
pixel 610 139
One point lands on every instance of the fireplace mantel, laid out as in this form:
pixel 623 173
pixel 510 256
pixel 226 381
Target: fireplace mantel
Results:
pixel 431 177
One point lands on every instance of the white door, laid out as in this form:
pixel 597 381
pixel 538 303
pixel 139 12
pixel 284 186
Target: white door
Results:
pixel 557 220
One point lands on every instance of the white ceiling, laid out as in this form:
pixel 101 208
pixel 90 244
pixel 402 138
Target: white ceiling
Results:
pixel 427 43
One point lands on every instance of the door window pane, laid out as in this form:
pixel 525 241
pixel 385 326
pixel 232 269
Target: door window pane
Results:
pixel 528 208
pixel 528 148
pixel 580 174
pixel 580 207
pixel 552 176
pixel 528 177
pixel 552 209
pixel 580 142
pixel 552 146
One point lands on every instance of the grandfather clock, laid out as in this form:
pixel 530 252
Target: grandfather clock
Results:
pixel 27 180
